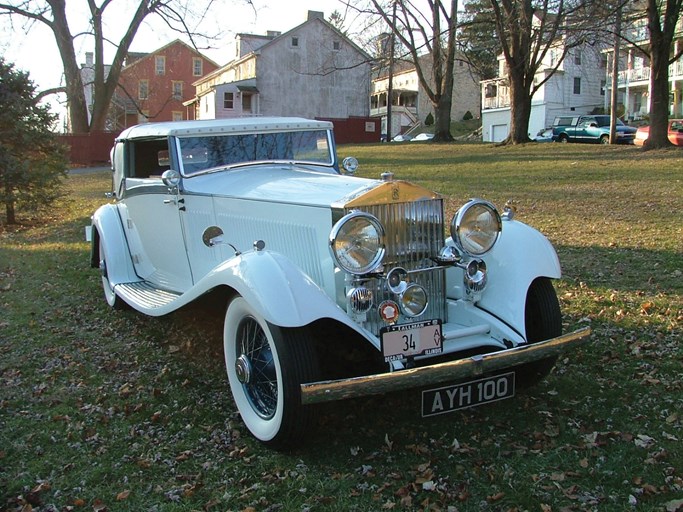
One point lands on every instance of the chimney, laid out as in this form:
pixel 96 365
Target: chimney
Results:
pixel 88 59
pixel 316 15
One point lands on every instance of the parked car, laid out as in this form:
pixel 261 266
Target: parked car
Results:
pixel 590 128
pixel 675 133
pixel 544 135
pixel 422 137
pixel 334 286
pixel 401 137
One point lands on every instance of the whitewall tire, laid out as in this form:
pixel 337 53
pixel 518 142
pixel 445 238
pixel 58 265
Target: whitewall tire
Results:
pixel 266 365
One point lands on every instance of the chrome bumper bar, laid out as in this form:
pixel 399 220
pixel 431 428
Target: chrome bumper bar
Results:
pixel 330 390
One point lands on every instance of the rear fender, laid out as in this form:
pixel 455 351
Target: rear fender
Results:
pixel 521 255
pixel 106 225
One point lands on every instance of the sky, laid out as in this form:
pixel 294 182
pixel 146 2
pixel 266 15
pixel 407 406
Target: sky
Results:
pixel 33 49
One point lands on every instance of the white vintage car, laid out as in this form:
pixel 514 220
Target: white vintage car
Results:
pixel 334 286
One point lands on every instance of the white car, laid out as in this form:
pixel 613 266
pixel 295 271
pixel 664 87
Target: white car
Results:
pixel 334 286
pixel 422 136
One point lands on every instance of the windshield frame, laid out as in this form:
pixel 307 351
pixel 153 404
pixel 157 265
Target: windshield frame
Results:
pixel 212 167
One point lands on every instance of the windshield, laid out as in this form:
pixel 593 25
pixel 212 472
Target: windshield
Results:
pixel 207 152
pixel 604 121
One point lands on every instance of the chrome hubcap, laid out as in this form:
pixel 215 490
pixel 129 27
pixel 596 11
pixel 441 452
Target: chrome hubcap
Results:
pixel 243 369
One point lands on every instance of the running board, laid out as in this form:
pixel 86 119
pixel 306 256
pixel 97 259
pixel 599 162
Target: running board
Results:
pixel 145 294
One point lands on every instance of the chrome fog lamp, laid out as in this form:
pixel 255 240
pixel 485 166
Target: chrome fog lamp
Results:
pixel 449 255
pixel 475 228
pixel 360 299
pixel 414 300
pixel 357 243
pixel 475 276
pixel 396 280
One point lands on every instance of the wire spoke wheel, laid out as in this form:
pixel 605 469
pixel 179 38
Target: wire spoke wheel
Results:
pixel 266 365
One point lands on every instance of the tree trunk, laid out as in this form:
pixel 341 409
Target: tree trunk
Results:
pixel 660 47
pixel 78 110
pixel 520 110
pixel 442 119
pixel 9 212
pixel 659 102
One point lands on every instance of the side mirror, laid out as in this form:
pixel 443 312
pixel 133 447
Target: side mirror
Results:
pixel 171 178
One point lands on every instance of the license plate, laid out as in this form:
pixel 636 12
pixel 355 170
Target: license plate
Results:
pixel 468 394
pixel 407 340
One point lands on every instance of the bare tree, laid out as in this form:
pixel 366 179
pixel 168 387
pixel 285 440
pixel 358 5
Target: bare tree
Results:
pixel 432 33
pixel 662 17
pixel 53 14
pixel 528 30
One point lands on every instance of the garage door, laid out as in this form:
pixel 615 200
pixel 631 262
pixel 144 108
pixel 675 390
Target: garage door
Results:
pixel 499 132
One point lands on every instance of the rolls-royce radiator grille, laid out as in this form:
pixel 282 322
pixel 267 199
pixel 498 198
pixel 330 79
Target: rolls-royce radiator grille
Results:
pixel 414 234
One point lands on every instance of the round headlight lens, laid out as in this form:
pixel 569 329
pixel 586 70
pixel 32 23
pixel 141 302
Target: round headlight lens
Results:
pixel 414 300
pixel 357 243
pixel 476 227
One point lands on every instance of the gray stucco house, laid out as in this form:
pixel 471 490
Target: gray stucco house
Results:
pixel 311 71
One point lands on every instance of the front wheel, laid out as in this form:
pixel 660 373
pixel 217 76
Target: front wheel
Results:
pixel 604 139
pixel 266 365
pixel 563 139
pixel 543 320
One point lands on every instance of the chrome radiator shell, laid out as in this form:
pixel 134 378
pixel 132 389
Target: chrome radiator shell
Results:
pixel 414 234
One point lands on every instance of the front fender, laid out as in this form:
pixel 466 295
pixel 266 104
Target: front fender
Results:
pixel 521 255
pixel 106 224
pixel 277 289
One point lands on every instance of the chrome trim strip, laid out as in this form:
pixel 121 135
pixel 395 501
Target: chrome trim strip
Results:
pixel 326 391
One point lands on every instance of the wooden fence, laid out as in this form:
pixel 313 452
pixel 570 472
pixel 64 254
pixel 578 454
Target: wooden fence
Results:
pixel 88 148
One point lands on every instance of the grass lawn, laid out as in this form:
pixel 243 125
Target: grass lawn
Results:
pixel 111 410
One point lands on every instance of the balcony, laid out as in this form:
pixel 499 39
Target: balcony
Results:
pixel 495 93
pixel 641 76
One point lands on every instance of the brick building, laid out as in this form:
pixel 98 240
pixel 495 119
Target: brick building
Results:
pixel 153 86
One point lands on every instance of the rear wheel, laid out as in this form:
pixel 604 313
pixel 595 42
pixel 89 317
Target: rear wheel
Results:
pixel 266 365
pixel 110 296
pixel 543 320
pixel 604 139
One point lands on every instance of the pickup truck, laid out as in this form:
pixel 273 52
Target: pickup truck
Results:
pixel 590 128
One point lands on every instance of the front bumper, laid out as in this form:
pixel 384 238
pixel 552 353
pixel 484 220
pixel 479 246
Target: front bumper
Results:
pixel 330 390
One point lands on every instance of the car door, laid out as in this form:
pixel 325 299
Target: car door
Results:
pixel 583 129
pixel 151 216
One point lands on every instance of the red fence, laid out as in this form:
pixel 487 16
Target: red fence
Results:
pixel 355 129
pixel 88 148
pixel 93 148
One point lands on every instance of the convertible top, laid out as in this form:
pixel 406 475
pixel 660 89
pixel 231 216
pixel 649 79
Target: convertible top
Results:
pixel 222 126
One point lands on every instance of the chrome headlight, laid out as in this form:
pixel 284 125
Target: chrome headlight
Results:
pixel 357 243
pixel 476 226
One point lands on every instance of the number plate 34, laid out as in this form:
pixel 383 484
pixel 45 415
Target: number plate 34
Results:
pixel 408 340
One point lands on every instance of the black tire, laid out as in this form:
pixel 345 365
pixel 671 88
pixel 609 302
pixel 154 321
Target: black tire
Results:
pixel 604 139
pixel 563 138
pixel 110 296
pixel 266 365
pixel 543 320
